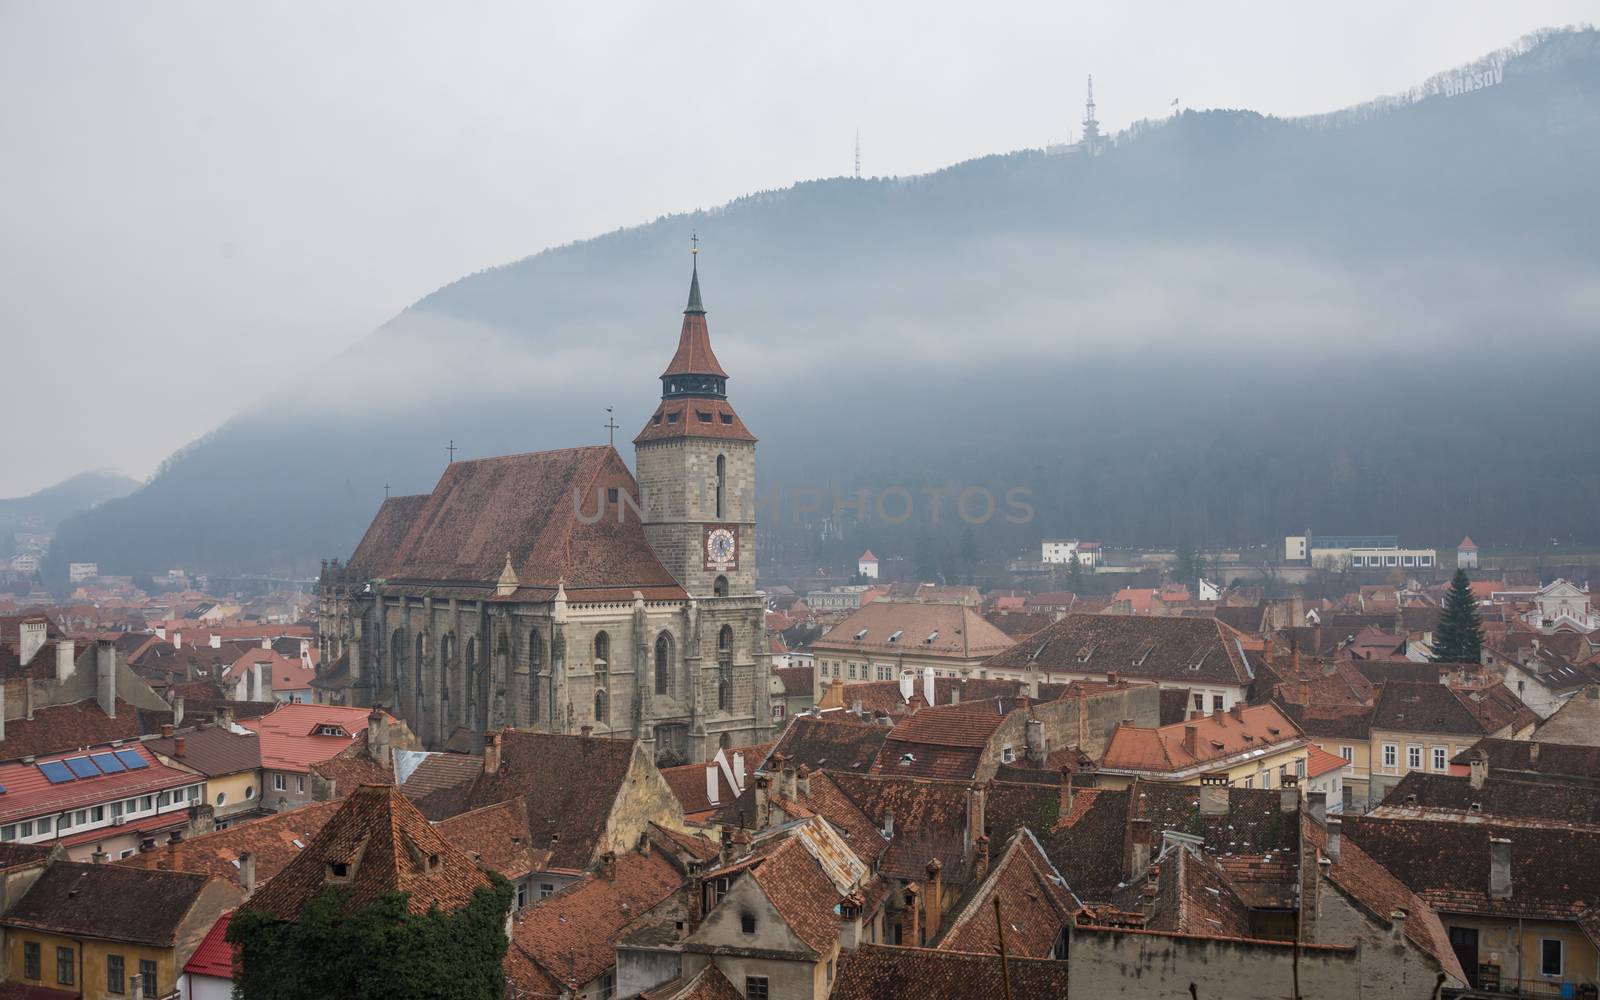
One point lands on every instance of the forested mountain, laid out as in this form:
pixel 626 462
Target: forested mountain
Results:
pixel 1226 327
pixel 44 509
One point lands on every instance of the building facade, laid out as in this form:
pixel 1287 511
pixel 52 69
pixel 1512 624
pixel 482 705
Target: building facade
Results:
pixel 555 590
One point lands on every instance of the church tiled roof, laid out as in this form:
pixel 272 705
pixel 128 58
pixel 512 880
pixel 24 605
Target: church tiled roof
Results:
pixel 528 506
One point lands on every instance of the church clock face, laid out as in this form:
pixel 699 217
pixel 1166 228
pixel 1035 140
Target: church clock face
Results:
pixel 722 548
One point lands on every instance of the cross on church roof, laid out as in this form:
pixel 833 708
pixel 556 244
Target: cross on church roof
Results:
pixel 451 448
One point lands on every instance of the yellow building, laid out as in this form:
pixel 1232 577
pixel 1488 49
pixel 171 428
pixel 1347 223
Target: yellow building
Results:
pixel 229 760
pixel 91 929
pixel 1422 727
pixel 1256 747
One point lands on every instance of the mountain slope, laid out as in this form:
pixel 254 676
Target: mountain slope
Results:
pixel 44 509
pixel 1227 327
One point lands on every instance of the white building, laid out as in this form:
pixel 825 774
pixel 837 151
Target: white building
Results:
pixel 1467 554
pixel 867 565
pixel 1364 552
pixel 1562 605
pixel 1061 551
pixel 79 572
pixel 27 562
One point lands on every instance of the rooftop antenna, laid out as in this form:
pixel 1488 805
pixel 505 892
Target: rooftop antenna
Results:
pixel 611 428
pixel 858 154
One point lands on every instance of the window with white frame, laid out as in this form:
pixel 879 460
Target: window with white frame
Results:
pixel 1348 754
pixel 1390 755
pixel 1414 757
pixel 1440 762
pixel 1550 957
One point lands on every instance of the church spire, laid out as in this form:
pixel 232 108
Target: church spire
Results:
pixel 695 306
pixel 694 370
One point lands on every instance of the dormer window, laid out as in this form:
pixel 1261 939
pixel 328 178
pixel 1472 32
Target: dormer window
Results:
pixel 704 416
pixel 932 638
pixel 895 637
pixel 672 418
pixel 727 418
pixel 747 922
pixel 338 871
pixel 861 635
pixel 332 730
pixel 1086 651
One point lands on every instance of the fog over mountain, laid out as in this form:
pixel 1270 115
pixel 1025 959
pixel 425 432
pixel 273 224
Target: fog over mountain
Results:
pixel 1227 326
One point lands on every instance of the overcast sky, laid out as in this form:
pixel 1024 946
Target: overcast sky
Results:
pixel 198 200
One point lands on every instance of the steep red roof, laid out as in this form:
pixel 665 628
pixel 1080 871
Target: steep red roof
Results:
pixel 1035 901
pixel 386 846
pixel 524 506
pixel 695 417
pixel 215 956
pixel 572 935
pixel 694 355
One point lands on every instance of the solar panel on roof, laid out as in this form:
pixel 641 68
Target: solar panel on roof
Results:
pixel 107 763
pixel 56 772
pixel 132 759
pixel 82 767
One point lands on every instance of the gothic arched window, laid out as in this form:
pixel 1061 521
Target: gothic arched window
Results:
pixel 663 662
pixel 602 651
pixel 725 639
pixel 599 706
pixel 397 658
pixel 719 587
pixel 722 485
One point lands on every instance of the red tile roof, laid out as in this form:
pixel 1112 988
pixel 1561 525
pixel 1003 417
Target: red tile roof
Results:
pixel 214 957
pixel 1216 737
pixel 707 418
pixel 956 630
pixel 273 841
pixel 523 505
pixel 571 936
pixel 29 793
pixel 880 972
pixel 388 847
pixel 74 725
pixel 289 734
pixel 1035 902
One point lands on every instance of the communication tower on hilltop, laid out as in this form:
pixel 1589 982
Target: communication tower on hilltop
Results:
pixel 1091 127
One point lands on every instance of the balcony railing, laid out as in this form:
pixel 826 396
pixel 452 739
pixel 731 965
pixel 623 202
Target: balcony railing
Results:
pixel 1493 988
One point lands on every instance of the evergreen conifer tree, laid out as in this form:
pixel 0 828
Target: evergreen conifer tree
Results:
pixel 1459 635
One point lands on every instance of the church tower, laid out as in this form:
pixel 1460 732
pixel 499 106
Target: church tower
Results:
pixel 696 465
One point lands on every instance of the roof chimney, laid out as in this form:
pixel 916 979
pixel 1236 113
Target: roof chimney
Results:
pixel 1237 711
pixel 1288 793
pixel 608 866
pixel 1499 868
pixel 105 672
pixel 802 780
pixel 888 823
pixel 933 898
pixel 1397 924
pixel 982 866
pixel 1335 830
pixel 1533 752
pixel 65 651
pixel 975 823
pixel 1189 736
pixel 1478 769
pixel 1214 790
pixel 491 751
pixel 247 872
pixel 178 747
